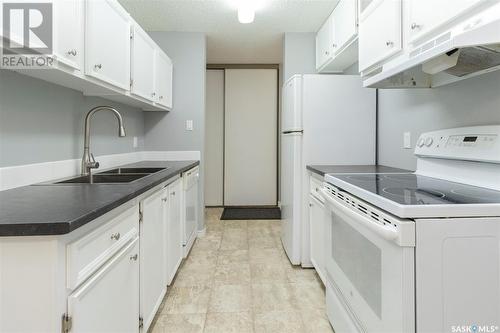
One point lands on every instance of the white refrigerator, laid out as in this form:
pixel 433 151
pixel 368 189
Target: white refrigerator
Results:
pixel 326 119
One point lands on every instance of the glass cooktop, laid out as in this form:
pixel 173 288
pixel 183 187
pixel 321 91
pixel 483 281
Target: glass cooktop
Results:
pixel 412 189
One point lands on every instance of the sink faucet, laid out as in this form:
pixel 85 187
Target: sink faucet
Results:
pixel 88 161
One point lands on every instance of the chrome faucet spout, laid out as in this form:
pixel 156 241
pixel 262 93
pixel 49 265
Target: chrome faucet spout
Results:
pixel 88 161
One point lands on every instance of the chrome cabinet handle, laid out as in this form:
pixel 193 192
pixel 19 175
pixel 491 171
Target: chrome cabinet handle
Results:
pixel 327 53
pixel 134 257
pixel 115 236
pixel 98 66
pixel 164 199
pixel 153 94
pixel 389 43
pixel 334 46
pixel 72 52
pixel 161 97
pixel 415 26
pixel 173 193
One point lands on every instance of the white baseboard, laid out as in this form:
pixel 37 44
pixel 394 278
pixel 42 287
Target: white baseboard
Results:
pixel 202 232
pixel 22 175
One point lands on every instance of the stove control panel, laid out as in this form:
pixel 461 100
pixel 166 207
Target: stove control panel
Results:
pixel 478 143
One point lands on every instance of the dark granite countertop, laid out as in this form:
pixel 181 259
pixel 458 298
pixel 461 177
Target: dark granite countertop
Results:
pixel 46 209
pixel 325 169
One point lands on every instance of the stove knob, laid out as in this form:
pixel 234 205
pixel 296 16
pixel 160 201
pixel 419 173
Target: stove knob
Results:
pixel 428 142
pixel 421 142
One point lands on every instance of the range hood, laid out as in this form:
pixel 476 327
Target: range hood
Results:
pixel 466 50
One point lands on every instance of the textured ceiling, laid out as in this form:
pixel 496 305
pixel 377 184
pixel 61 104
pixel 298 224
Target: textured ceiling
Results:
pixel 228 41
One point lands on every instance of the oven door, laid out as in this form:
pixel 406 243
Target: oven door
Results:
pixel 369 266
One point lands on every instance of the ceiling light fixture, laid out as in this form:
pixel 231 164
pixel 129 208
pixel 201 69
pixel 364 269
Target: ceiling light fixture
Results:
pixel 246 12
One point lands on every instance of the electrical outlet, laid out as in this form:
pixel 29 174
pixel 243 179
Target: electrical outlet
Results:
pixel 407 140
pixel 189 125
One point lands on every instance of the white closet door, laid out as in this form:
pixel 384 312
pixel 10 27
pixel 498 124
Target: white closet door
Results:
pixel 250 163
pixel 214 138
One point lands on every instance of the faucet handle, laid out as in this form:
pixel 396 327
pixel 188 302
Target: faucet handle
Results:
pixel 93 164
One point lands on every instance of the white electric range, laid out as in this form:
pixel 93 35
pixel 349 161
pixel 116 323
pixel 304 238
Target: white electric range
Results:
pixel 418 252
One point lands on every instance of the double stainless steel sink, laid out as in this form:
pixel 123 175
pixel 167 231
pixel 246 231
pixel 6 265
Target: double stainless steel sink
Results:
pixel 113 176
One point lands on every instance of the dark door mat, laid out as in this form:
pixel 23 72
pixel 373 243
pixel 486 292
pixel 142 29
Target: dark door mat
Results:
pixel 248 213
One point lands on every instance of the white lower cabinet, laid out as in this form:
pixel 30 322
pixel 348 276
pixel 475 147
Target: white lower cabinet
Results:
pixel 153 286
pixel 109 300
pixel 110 275
pixel 172 220
pixel 317 222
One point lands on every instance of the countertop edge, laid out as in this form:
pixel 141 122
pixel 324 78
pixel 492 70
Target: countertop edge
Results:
pixel 66 227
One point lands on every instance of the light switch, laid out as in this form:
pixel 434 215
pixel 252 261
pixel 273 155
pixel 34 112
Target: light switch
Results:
pixel 136 143
pixel 407 140
pixel 189 125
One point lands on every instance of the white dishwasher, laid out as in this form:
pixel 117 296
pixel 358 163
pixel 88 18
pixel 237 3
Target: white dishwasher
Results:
pixel 190 213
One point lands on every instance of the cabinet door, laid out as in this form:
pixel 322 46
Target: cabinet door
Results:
pixel 107 43
pixel 174 230
pixel 324 39
pixel 427 15
pixel 68 31
pixel 344 24
pixel 143 64
pixel 164 77
pixel 153 285
pixel 109 300
pixel 317 227
pixel 380 32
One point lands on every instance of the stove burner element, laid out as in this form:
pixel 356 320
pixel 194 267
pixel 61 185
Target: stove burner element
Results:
pixel 412 192
pixel 479 193
pixel 365 178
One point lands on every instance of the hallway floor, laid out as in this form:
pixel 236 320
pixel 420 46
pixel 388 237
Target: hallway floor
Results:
pixel 237 278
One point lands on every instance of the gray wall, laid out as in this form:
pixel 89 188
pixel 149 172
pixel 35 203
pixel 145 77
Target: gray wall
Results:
pixel 474 101
pixel 167 131
pixel 41 122
pixel 299 53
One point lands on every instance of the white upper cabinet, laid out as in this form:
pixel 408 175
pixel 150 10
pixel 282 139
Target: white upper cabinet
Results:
pixel 68 32
pixel 344 24
pixel 142 82
pixel 380 32
pixel 336 41
pixel 324 39
pixel 164 79
pixel 107 42
pixel 427 15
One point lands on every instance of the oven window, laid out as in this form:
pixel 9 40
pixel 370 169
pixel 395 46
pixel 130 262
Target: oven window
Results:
pixel 360 260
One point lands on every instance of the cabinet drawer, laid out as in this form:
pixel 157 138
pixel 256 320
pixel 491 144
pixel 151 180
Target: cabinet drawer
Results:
pixel 315 186
pixel 87 254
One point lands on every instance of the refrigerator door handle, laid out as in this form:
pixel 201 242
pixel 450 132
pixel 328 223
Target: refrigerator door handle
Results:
pixel 290 132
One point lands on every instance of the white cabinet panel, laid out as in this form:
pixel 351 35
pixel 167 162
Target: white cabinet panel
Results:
pixel 143 64
pixel 427 15
pixel 164 79
pixel 173 229
pixel 318 243
pixel 109 300
pixel 153 261
pixel 344 24
pixel 324 39
pixel 107 42
pixel 68 32
pixel 380 32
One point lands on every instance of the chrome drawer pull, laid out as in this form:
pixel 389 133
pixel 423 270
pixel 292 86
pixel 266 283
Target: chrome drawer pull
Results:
pixel 115 236
pixel 134 257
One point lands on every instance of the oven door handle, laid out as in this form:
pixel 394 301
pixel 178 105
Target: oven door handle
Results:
pixel 386 232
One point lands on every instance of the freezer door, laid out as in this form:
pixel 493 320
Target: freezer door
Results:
pixel 291 195
pixel 291 119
